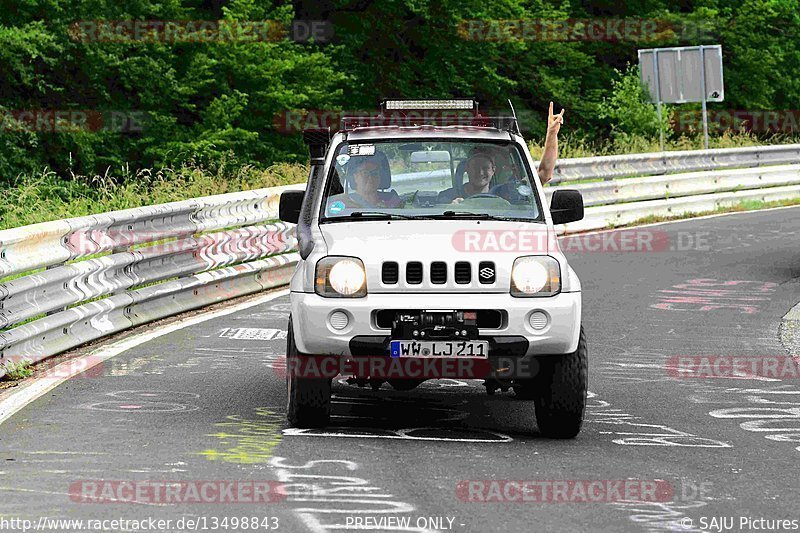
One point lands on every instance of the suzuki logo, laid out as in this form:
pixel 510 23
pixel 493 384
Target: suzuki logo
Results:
pixel 486 272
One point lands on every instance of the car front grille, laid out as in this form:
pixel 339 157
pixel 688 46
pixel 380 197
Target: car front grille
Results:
pixel 438 273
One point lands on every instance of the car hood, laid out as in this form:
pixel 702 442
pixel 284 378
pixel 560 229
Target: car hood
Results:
pixel 448 241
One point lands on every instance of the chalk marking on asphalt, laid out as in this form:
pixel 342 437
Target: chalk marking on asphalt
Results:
pixel 647 434
pixel 761 419
pixel 38 387
pixel 334 495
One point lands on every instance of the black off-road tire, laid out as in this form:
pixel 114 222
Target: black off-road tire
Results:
pixel 405 384
pixel 309 398
pixel 559 392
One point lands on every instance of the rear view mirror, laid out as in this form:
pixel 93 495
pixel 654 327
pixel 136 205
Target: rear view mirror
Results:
pixel 566 206
pixel 433 156
pixel 289 206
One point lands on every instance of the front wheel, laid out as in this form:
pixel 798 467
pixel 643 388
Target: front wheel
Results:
pixel 309 398
pixel 559 392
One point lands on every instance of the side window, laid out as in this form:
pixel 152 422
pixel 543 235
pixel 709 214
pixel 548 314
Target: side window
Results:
pixel 336 183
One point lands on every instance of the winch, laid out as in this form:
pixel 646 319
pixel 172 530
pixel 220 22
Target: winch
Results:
pixel 436 325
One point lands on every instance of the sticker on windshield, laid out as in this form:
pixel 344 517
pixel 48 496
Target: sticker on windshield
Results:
pixel 525 190
pixel 342 159
pixel 361 149
pixel 336 207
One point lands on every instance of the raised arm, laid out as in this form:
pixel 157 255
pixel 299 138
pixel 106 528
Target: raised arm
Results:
pixel 550 155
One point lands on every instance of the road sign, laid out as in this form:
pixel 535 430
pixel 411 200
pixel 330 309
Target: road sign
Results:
pixel 683 74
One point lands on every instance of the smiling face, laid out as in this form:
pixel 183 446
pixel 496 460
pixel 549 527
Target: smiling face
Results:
pixel 480 169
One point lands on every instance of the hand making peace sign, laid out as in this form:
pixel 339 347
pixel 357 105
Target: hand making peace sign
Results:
pixel 554 122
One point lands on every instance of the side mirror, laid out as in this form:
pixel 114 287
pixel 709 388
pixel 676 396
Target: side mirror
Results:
pixel 289 206
pixel 565 206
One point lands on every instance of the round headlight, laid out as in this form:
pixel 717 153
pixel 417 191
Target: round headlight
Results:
pixel 347 277
pixel 529 276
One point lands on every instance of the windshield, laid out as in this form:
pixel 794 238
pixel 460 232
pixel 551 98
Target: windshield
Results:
pixel 430 179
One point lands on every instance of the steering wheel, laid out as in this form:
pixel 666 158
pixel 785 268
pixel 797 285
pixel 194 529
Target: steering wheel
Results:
pixel 485 195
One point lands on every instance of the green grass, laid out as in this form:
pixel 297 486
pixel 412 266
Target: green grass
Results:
pixel 46 196
pixel 15 371
pixel 570 146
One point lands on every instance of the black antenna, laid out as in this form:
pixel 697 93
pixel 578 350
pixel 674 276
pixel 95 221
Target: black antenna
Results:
pixel 514 114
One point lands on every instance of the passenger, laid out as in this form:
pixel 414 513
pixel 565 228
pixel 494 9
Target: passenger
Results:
pixel 550 153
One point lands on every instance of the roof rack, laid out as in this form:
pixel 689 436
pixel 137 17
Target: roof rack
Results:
pixel 441 113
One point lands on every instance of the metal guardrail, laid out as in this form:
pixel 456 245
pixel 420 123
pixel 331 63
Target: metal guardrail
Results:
pixel 632 165
pixel 663 187
pixel 84 278
pixel 624 201
pixel 69 282
pixel 620 166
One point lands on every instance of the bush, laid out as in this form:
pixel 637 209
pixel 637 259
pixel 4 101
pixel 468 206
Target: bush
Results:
pixel 634 119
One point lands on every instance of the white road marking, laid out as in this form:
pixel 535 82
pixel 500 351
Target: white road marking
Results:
pixel 38 387
pixel 252 334
pixel 403 434
pixel 327 497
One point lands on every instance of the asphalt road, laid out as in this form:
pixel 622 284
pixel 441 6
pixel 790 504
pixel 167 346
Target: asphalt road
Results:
pixel 207 403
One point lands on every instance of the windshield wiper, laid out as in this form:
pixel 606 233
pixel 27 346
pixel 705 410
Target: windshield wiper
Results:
pixel 478 216
pixel 464 214
pixel 372 215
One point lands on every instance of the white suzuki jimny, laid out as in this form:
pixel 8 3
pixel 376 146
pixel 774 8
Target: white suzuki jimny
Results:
pixel 427 248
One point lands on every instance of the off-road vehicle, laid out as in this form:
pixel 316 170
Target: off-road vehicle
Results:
pixel 430 239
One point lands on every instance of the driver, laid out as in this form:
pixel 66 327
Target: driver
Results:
pixel 513 191
pixel 480 171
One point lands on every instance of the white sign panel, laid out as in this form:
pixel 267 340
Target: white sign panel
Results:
pixel 680 75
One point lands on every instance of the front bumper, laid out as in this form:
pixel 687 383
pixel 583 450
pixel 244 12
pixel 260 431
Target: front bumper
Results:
pixel 314 333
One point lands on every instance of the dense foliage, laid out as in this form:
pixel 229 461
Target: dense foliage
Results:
pixel 169 103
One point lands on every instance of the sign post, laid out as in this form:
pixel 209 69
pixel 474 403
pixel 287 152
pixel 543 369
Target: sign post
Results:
pixel 658 100
pixel 683 74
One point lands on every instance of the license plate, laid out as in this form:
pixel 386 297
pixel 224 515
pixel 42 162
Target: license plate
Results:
pixel 459 349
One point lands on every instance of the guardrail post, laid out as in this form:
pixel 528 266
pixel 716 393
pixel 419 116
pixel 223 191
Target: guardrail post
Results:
pixel 54 311
pixel 119 250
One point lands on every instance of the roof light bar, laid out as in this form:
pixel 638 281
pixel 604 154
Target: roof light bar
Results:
pixel 409 105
